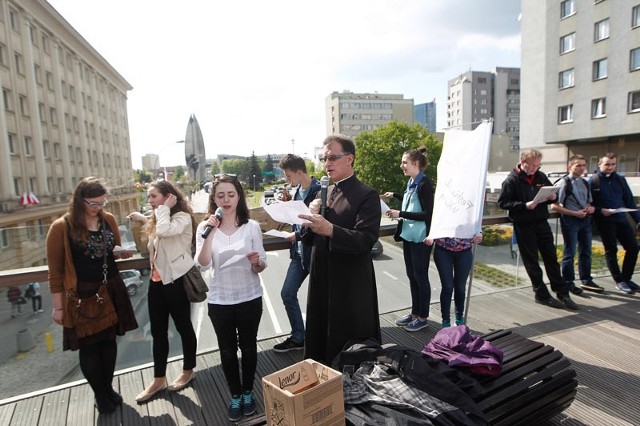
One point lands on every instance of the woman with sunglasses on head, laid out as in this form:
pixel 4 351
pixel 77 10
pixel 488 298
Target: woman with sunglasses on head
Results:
pixel 233 248
pixel 417 208
pixel 79 247
pixel 170 231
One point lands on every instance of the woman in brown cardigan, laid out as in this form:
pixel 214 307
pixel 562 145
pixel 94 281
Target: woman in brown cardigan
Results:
pixel 75 255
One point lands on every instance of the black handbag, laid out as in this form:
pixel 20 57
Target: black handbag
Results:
pixel 396 236
pixel 194 285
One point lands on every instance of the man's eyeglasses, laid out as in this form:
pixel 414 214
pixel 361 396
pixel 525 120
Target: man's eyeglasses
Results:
pixel 94 204
pixel 331 158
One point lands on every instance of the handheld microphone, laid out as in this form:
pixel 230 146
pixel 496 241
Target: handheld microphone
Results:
pixel 218 215
pixel 324 184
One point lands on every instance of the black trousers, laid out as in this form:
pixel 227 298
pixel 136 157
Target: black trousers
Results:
pixel 237 325
pixel 610 231
pixel 165 300
pixel 534 238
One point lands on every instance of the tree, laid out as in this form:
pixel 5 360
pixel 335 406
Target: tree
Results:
pixel 379 152
pixel 254 169
pixel 236 167
pixel 215 168
pixel 311 168
pixel 268 167
pixel 142 176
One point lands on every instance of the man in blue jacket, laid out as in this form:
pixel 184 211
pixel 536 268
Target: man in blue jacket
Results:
pixel 531 226
pixel 307 187
pixel 610 191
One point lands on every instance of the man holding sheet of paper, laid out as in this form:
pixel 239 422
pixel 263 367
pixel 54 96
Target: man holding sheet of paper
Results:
pixel 306 189
pixel 611 192
pixel 531 226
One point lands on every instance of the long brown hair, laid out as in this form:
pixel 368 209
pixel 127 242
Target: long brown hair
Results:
pixel 89 187
pixel 182 205
pixel 242 210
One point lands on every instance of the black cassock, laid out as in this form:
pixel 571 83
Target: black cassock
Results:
pixel 342 302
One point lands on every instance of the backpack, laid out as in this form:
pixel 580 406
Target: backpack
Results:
pixel 30 292
pixel 595 182
pixel 568 187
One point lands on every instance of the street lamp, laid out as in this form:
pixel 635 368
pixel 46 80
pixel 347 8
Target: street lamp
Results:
pixel 254 183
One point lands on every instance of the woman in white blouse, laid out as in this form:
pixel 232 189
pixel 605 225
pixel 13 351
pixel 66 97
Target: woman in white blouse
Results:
pixel 234 250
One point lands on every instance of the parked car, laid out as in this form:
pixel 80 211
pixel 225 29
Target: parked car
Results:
pixel 132 280
pixel 377 249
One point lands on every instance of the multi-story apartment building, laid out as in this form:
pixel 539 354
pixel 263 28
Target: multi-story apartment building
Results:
pixel 350 113
pixel 64 118
pixel 425 114
pixel 581 80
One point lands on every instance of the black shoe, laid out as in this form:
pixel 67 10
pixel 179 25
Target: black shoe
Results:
pixel 591 286
pixel 550 302
pixel 288 345
pixel 568 303
pixel 576 290
pixel 114 397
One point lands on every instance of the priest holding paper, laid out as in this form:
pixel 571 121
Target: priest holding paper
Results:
pixel 530 217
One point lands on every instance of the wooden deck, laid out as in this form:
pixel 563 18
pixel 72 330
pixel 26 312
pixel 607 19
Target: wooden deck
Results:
pixel 602 341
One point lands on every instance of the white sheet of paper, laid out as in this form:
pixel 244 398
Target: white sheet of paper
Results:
pixel 544 192
pixel 383 207
pixel 287 212
pixel 621 210
pixel 233 259
pixel 279 234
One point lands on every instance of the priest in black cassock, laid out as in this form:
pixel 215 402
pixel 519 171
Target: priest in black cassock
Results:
pixel 342 302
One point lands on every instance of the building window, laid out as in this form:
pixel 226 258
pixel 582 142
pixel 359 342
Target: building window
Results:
pixel 53 116
pixel 565 114
pixel 601 30
pixel 600 69
pixel 567 8
pixel 483 92
pixel 568 43
pixel 42 112
pixel 599 108
pixel 56 150
pixel 3 49
pixel 13 19
pixel 45 148
pixel 45 43
pixel 6 97
pixel 27 145
pixel 24 108
pixel 49 80
pixel 19 63
pixel 635 16
pixel 4 238
pixel 12 144
pixel 634 101
pixel 566 79
pixel 36 71
pixel 482 80
pixel 634 60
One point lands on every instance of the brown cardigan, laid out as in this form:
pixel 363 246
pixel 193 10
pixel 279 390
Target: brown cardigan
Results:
pixel 62 273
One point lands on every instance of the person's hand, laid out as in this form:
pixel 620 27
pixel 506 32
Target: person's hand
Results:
pixel 254 258
pixel 56 315
pixel 386 196
pixel 590 209
pixel 170 201
pixel 291 237
pixel 580 213
pixel 605 212
pixel 552 197
pixel 428 241
pixel 393 214
pixel 124 255
pixel 318 224
pixel 531 205
pixel 137 217
pixel 214 223
pixel 477 239
pixel 315 205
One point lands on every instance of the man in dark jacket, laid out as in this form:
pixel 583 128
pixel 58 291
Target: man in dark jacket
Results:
pixel 611 191
pixel 306 189
pixel 342 303
pixel 531 226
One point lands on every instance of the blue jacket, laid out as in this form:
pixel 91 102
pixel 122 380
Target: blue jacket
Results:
pixel 305 253
pixel 612 192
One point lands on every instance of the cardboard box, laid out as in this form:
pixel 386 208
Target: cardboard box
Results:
pixel 305 394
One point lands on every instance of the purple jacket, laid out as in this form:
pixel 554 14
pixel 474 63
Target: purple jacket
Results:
pixel 459 348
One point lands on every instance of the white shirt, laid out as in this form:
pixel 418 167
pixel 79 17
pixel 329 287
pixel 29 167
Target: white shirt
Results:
pixel 234 281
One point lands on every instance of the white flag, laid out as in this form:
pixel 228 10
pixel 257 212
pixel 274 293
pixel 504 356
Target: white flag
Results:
pixel 462 175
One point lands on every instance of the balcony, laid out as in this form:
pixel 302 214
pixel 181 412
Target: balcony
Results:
pixel 601 341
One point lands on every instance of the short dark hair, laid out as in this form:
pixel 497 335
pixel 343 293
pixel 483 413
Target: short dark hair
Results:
pixel 345 142
pixel 293 163
pixel 609 155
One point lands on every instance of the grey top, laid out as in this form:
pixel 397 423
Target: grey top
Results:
pixel 579 197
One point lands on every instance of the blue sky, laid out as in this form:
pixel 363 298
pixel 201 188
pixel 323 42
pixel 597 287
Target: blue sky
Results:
pixel 256 73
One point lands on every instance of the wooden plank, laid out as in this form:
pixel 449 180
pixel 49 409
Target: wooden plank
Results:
pixel 27 411
pixel 130 385
pixel 81 410
pixel 6 413
pixel 186 402
pixel 54 408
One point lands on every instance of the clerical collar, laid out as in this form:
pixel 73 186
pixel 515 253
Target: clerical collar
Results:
pixel 340 181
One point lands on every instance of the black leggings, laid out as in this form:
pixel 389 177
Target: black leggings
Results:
pixel 237 325
pixel 98 363
pixel 165 300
